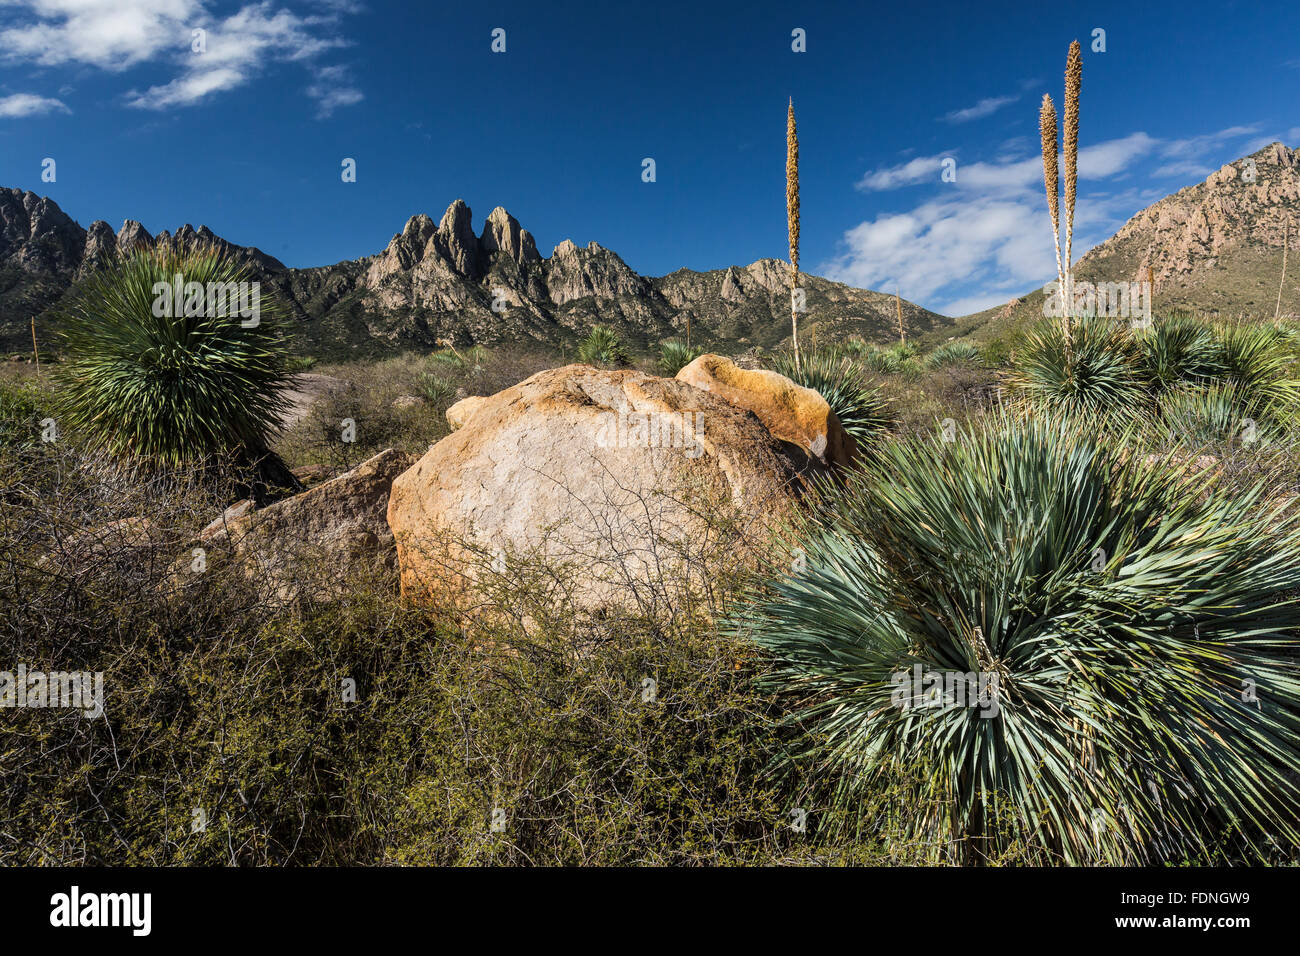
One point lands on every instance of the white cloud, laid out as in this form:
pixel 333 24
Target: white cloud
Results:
pixel 237 48
pixel 985 107
pixel 986 237
pixel 29 104
pixel 110 34
pixel 333 88
pixel 116 35
pixel 1095 162
pixel 907 174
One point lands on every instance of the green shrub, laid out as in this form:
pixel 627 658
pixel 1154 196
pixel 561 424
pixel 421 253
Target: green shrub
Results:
pixel 953 353
pixel 20 413
pixel 173 388
pixel 1121 610
pixel 895 359
pixel 1217 414
pixel 1258 359
pixel 1096 377
pixel 675 355
pixel 217 702
pixel 435 388
pixel 471 361
pixel 1176 351
pixel 602 346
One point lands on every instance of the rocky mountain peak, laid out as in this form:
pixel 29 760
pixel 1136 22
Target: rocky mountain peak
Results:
pixel 1240 210
pixel 502 233
pixel 37 233
pixel 101 246
pixel 456 240
pixel 132 234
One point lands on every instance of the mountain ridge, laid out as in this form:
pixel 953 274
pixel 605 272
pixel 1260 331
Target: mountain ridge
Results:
pixel 437 284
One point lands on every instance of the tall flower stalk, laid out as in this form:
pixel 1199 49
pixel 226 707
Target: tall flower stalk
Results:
pixel 1051 181
pixel 1047 127
pixel 1073 81
pixel 792 220
pixel 1286 241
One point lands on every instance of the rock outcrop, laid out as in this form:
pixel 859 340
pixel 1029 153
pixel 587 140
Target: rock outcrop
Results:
pixel 301 546
pixel 606 472
pixel 791 412
pixel 1212 247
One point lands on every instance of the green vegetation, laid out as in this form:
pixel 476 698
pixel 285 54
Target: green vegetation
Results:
pixel 1114 373
pixel 602 346
pixel 675 355
pixel 171 388
pixel 1094 376
pixel 1118 588
pixel 1121 611
pixel 953 353
pixel 838 378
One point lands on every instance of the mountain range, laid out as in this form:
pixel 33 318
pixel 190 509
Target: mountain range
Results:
pixel 437 284
pixel 1213 248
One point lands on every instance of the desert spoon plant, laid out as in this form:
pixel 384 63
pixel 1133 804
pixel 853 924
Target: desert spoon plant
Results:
pixel 183 385
pixel 1122 617
pixel 792 221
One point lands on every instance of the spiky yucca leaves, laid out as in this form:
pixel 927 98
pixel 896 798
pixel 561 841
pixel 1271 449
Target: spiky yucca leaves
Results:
pixel 170 390
pixel 953 353
pixel 1217 414
pixel 602 346
pixel 1177 350
pixel 1090 372
pixel 675 355
pixel 471 359
pixel 1259 360
pixel 1122 612
pixel 837 378
pixel 897 358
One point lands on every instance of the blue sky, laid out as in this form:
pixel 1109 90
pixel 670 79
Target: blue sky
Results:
pixel 248 136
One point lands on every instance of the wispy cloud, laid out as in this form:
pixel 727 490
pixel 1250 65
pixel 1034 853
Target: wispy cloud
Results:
pixel 1095 162
pixel 333 88
pixel 235 51
pixel 29 104
pixel 231 51
pixel 985 107
pixel 976 242
pixel 110 34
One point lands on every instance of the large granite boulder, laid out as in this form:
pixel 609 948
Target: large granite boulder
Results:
pixel 625 479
